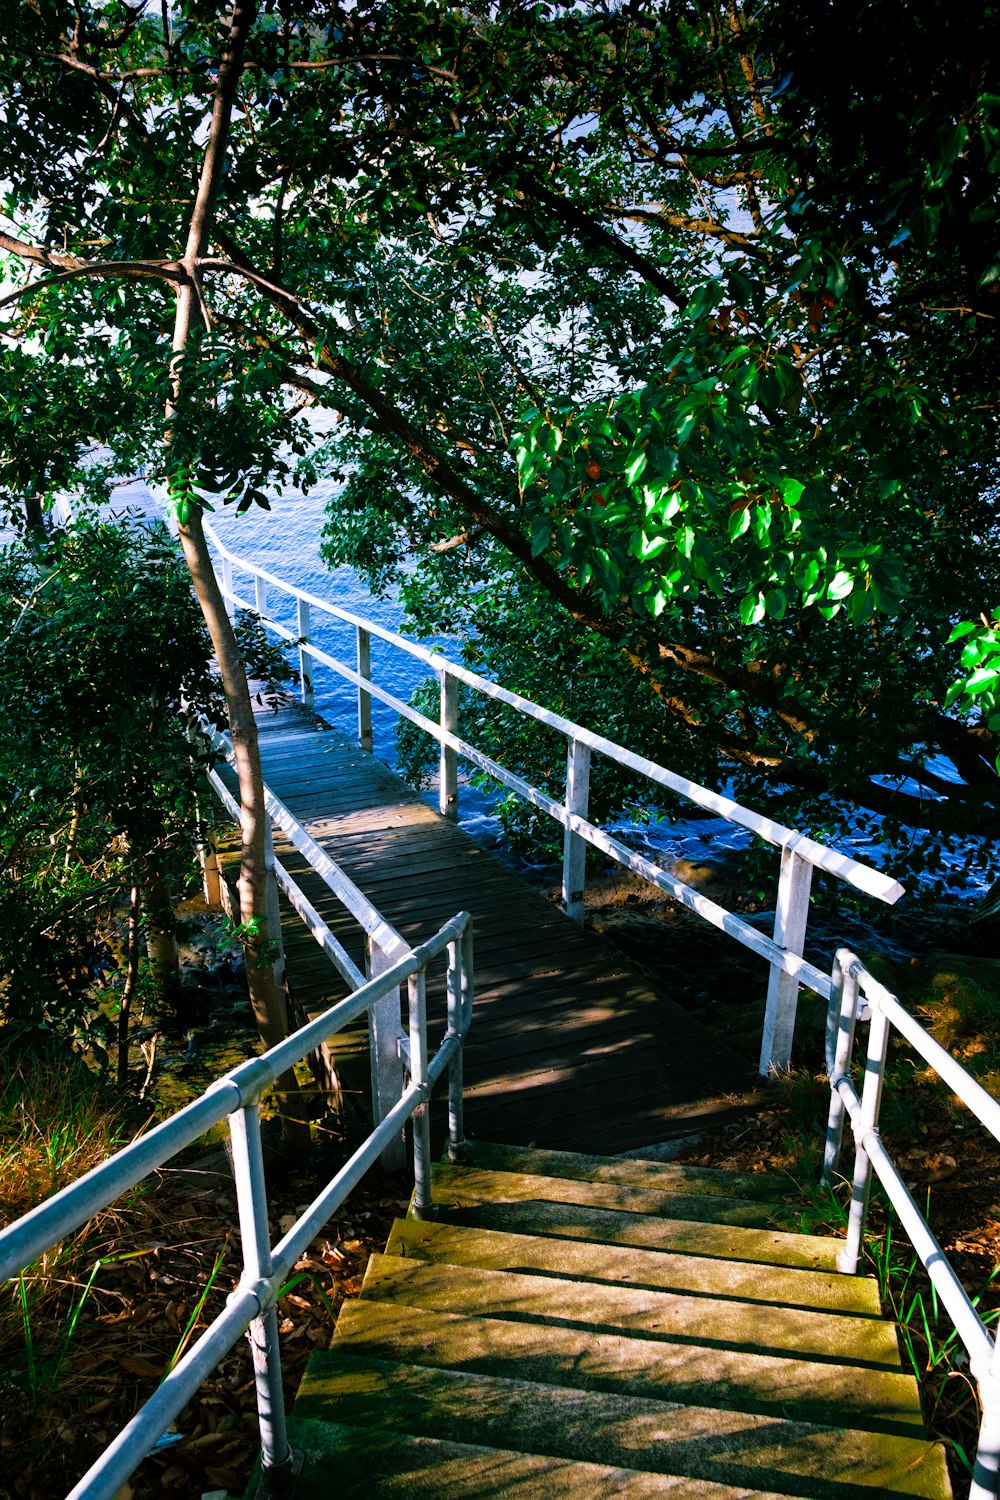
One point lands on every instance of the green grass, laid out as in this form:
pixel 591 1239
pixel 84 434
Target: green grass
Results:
pixel 56 1122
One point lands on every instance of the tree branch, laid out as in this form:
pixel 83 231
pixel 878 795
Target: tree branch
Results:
pixel 587 229
pixel 131 270
pixel 106 86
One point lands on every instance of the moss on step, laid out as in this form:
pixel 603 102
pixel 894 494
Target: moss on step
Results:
pixel 558 1355
pixel 634 1310
pixel 669 1177
pixel 735 1448
pixel 461 1183
pixel 464 1200
pixel 357 1464
pixel 496 1250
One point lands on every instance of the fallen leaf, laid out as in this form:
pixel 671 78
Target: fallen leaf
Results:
pixel 940 1167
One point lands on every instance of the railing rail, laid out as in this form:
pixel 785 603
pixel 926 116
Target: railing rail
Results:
pixel 265 1268
pixel 800 855
pixel 383 943
pixel 857 996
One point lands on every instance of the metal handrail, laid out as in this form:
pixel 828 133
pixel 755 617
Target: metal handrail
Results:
pixel 799 854
pixel 856 995
pixel 265 1268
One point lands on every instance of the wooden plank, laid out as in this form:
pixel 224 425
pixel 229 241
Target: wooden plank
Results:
pixel 569 1044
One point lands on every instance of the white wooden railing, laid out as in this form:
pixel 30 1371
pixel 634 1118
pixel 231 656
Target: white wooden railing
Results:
pixel 800 855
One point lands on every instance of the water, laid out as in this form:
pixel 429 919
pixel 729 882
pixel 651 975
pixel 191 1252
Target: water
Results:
pixel 285 540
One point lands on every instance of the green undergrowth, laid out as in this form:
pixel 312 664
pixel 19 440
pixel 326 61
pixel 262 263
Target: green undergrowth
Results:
pixel 57 1121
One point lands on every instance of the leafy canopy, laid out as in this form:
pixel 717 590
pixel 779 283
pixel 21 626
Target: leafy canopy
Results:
pixel 655 326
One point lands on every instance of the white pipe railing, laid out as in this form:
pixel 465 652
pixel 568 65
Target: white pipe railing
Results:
pixel 384 945
pixel 800 855
pixel 265 1268
pixel 856 995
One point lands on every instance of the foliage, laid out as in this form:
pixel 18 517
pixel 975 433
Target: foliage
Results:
pixel 104 651
pixel 980 687
pixel 643 327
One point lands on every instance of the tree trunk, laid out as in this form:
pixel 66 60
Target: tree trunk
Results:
pixel 161 933
pixel 265 995
pixel 131 980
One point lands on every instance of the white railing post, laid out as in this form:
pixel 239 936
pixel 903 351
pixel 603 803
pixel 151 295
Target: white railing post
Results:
pixel 574 846
pixel 871 1103
pixel 277 1460
pixel 364 697
pixel 790 921
pixel 986 1473
pixel 227 586
pixel 448 762
pixel 260 595
pixel 458 952
pixel 273 906
pixel 303 626
pixel 385 1027
pixel 417 1010
pixel 842 1019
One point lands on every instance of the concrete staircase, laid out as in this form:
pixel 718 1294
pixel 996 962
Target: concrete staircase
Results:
pixel 584 1326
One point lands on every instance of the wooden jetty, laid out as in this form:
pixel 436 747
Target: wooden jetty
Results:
pixel 570 1046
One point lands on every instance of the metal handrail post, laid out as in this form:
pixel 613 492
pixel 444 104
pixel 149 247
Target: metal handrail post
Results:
pixel 259 595
pixel 385 1027
pixel 251 1196
pixel 986 1472
pixel 842 1016
pixel 456 1103
pixel 468 977
pixel 364 650
pixel 574 846
pixel 303 625
pixel 448 760
pixel 871 1101
pixel 273 905
pixel 421 1121
pixel 790 919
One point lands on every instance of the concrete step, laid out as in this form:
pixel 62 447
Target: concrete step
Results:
pixel 735 1448
pixel 495 1250
pixel 483 1184
pixel 670 1177
pixel 555 1354
pixel 637 1311
pixel 356 1463
pixel 564 1209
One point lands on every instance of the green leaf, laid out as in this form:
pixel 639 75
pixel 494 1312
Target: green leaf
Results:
pixel 685 541
pixel 982 678
pixel 752 609
pixel 965 628
pixel 540 532
pixel 739 522
pixel 840 585
pixel 924 224
pixel 635 465
pixel 775 604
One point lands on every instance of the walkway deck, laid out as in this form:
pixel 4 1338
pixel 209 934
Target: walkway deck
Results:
pixel 570 1047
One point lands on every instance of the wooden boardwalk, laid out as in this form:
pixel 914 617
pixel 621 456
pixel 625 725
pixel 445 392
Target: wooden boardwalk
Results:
pixel 570 1047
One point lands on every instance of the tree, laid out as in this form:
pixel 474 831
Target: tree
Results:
pixel 104 659
pixel 626 337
